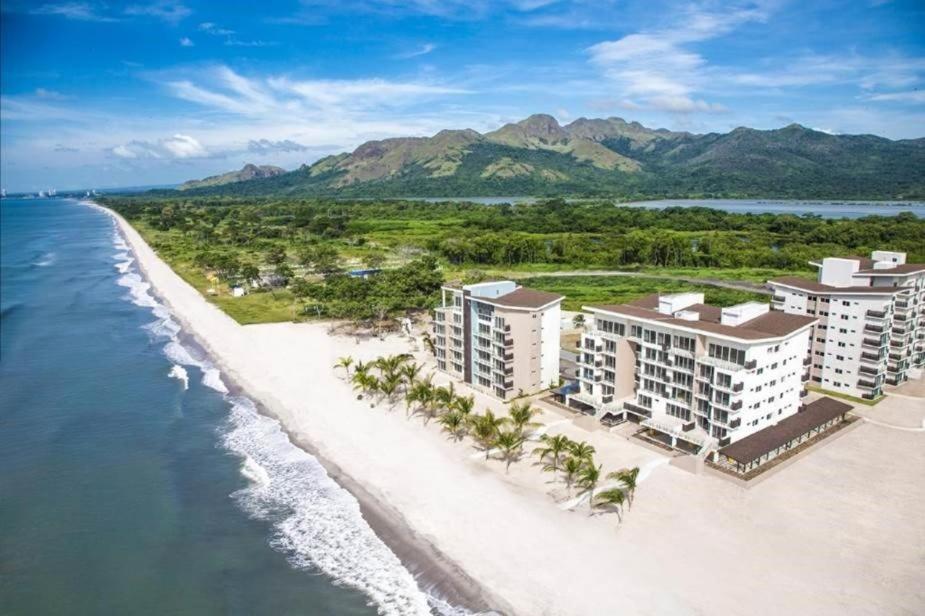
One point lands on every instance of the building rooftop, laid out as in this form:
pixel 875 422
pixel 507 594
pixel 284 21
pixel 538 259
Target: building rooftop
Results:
pixel 764 441
pixel 771 324
pixel 817 287
pixel 903 269
pixel 522 297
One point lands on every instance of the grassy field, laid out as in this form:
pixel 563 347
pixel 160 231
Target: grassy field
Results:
pixel 584 290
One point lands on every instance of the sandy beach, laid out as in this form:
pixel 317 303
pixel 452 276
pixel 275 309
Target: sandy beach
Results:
pixel 839 531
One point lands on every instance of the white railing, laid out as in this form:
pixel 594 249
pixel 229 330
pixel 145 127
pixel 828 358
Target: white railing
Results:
pixel 720 363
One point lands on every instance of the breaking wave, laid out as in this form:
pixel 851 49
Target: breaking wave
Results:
pixel 316 523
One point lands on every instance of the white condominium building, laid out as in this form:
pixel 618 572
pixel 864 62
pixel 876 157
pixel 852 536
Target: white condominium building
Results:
pixel 871 327
pixel 698 373
pixel 501 338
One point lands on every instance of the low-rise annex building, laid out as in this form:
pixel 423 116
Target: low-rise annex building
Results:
pixel 701 374
pixel 500 337
pixel 871 313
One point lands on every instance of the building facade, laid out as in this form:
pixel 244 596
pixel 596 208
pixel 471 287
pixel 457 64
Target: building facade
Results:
pixel 871 320
pixel 700 374
pixel 500 338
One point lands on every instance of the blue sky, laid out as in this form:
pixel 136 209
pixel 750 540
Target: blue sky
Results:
pixel 98 94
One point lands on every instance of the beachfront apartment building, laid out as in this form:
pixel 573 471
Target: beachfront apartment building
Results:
pixel 699 374
pixel 499 337
pixel 871 320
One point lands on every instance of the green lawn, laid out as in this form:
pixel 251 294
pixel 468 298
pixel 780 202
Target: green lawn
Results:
pixel 584 290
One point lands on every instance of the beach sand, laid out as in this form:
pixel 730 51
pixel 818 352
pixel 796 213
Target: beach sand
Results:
pixel 840 531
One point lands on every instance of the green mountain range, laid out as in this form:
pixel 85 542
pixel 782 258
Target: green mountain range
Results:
pixel 248 172
pixel 607 157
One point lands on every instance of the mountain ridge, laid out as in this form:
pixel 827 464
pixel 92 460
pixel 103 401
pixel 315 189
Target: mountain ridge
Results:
pixel 538 156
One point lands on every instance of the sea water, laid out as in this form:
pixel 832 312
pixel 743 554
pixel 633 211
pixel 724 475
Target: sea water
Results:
pixel 132 481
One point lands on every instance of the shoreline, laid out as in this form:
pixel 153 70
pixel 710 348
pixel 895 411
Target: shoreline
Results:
pixel 437 575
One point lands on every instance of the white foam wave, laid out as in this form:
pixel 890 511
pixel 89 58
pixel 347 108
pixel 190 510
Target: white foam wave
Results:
pixel 254 472
pixel 47 259
pixel 317 524
pixel 212 378
pixel 179 373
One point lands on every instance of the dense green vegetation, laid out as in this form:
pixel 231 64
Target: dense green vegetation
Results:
pixel 300 249
pixel 583 290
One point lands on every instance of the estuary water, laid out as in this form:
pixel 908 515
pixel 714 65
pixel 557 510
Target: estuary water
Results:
pixel 132 481
pixel 825 209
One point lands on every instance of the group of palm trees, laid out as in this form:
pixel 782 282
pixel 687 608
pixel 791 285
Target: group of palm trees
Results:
pixel 394 375
pixel 574 463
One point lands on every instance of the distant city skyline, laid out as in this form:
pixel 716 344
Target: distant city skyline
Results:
pixel 97 95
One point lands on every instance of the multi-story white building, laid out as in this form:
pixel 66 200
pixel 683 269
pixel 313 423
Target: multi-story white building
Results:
pixel 698 373
pixel 871 328
pixel 501 338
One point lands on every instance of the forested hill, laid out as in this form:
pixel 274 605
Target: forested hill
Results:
pixel 612 157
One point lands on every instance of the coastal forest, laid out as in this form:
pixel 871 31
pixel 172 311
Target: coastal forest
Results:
pixel 298 258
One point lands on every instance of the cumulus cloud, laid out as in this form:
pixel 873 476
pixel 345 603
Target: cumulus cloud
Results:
pixel 186 42
pixel 175 147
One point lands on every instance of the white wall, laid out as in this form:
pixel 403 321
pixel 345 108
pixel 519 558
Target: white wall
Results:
pixel 550 341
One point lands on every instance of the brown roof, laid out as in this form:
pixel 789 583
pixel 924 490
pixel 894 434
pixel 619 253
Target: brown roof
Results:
pixel 769 325
pixel 767 440
pixel 649 301
pixel 817 287
pixel 897 270
pixel 522 297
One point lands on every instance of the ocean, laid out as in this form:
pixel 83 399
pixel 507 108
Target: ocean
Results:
pixel 132 481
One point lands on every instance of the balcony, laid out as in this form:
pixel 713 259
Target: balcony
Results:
pixel 637 410
pixel 735 406
pixel 873 329
pixel 751 364
pixel 869 370
pixel 865 384
pixel 777 299
pixel 738 387
pixel 876 314
pixel 807 360
pixel 508 385
pixel 873 343
pixel 871 357
pixel 508 357
pixel 735 423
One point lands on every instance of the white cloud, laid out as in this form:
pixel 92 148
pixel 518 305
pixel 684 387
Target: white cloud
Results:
pixel 166 10
pixel 913 96
pixel 78 11
pixel 224 90
pixel 659 69
pixel 214 29
pixel 186 41
pixel 423 50
pixel 178 146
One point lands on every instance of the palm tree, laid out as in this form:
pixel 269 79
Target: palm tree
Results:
pixel 582 451
pixel 429 343
pixel 345 363
pixel 362 380
pixel 588 478
pixel 553 448
pixel 510 443
pixel 455 424
pixel 422 394
pixel 391 363
pixel 571 467
pixel 389 385
pixel 410 372
pixel 485 429
pixel 521 414
pixel 445 396
pixel 464 405
pixel 628 477
pixel 614 498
